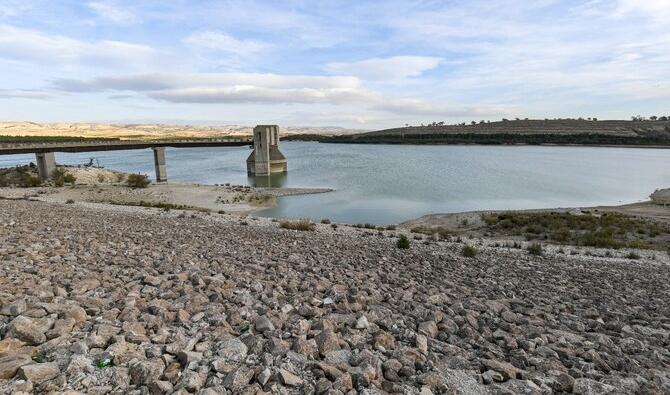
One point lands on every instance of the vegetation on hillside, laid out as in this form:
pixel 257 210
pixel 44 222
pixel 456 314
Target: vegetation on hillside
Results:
pixel 638 132
pixel 606 230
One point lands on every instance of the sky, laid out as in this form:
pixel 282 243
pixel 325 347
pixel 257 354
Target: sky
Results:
pixel 356 64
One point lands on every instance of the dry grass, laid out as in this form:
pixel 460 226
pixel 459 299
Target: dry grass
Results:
pixel 301 225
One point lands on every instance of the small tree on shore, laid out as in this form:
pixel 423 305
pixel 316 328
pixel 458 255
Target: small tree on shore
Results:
pixel 403 242
pixel 138 181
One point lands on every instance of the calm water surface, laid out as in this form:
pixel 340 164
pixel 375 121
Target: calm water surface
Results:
pixel 391 183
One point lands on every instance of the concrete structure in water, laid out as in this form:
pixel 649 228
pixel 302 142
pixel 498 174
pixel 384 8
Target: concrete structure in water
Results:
pixel 46 164
pixel 266 158
pixel 159 163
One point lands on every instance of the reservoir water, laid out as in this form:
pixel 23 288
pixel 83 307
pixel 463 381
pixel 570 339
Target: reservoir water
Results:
pixel 384 184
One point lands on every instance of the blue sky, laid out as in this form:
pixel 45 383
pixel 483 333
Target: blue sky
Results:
pixel 357 64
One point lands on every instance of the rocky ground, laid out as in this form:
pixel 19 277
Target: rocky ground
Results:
pixel 100 301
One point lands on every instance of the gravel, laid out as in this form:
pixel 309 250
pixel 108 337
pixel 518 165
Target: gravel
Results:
pixel 102 301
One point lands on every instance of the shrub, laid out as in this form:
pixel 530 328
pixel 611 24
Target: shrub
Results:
pixel 334 226
pixel 101 178
pixel 633 255
pixel 138 181
pixel 34 181
pixel 69 201
pixel 468 251
pixel 390 227
pixel 403 242
pixel 535 249
pixel 325 221
pixel 60 177
pixel 301 225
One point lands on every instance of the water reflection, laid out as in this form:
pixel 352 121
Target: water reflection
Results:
pixel 276 180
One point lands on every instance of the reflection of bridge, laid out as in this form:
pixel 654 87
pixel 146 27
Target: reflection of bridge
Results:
pixel 46 161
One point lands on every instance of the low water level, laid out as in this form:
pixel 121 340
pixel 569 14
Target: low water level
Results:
pixel 391 183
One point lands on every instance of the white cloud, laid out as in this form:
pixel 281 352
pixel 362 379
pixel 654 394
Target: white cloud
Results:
pixel 219 41
pixel 19 44
pixel 340 91
pixel 390 68
pixel 112 13
pixel 23 94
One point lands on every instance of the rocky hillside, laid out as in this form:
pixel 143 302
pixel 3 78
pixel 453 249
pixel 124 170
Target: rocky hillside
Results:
pixel 560 127
pixel 127 302
pixel 148 131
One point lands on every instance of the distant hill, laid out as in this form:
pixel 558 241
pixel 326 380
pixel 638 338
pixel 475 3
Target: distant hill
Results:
pixel 149 131
pixel 579 132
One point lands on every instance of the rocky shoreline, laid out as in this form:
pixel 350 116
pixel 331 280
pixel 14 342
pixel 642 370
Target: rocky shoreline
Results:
pixel 144 301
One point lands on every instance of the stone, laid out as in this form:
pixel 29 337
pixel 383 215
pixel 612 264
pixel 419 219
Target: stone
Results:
pixel 263 324
pixel 15 308
pixel 39 372
pixel 10 364
pixel 506 369
pixel 327 341
pixel 187 358
pixel 422 343
pixel 10 345
pixel 192 380
pixel 264 376
pixel 288 378
pixel 232 350
pixel 428 328
pixel 362 323
pixel 160 387
pixel 384 340
pixel 238 379
pixel 146 372
pixel 31 331
pixel 77 313
pixel 585 386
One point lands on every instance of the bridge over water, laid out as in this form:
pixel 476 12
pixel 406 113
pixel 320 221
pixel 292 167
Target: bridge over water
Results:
pixel 261 161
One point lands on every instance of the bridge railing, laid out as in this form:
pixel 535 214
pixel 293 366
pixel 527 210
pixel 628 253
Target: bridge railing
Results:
pixel 76 144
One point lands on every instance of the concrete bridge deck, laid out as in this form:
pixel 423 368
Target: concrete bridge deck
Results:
pixel 46 161
pixel 116 145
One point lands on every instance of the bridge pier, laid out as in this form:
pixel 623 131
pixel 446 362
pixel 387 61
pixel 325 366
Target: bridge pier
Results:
pixel 46 164
pixel 159 163
pixel 266 158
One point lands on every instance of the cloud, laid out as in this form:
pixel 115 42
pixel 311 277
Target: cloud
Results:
pixel 219 41
pixel 19 44
pixel 243 88
pixel 23 94
pixel 112 13
pixel 390 68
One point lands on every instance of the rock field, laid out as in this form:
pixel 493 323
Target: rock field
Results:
pixel 120 302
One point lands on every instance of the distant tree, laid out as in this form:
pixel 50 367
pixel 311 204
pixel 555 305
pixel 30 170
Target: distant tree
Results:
pixel 653 117
pixel 663 118
pixel 595 119
pixel 473 123
pixel 482 121
pixel 505 120
pixel 517 119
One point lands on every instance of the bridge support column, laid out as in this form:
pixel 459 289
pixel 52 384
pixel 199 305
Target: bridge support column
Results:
pixel 159 163
pixel 46 164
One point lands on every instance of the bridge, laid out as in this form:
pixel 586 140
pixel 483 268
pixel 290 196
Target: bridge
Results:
pixel 265 139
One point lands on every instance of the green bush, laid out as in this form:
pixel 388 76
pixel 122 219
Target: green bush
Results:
pixel 325 221
pixel 138 181
pixel 535 249
pixel 403 242
pixel 633 255
pixel 468 251
pixel 302 225
pixel 61 177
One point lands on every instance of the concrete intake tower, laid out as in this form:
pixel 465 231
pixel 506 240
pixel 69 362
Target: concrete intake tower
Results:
pixel 266 158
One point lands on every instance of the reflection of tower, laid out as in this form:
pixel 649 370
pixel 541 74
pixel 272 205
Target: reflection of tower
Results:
pixel 266 157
